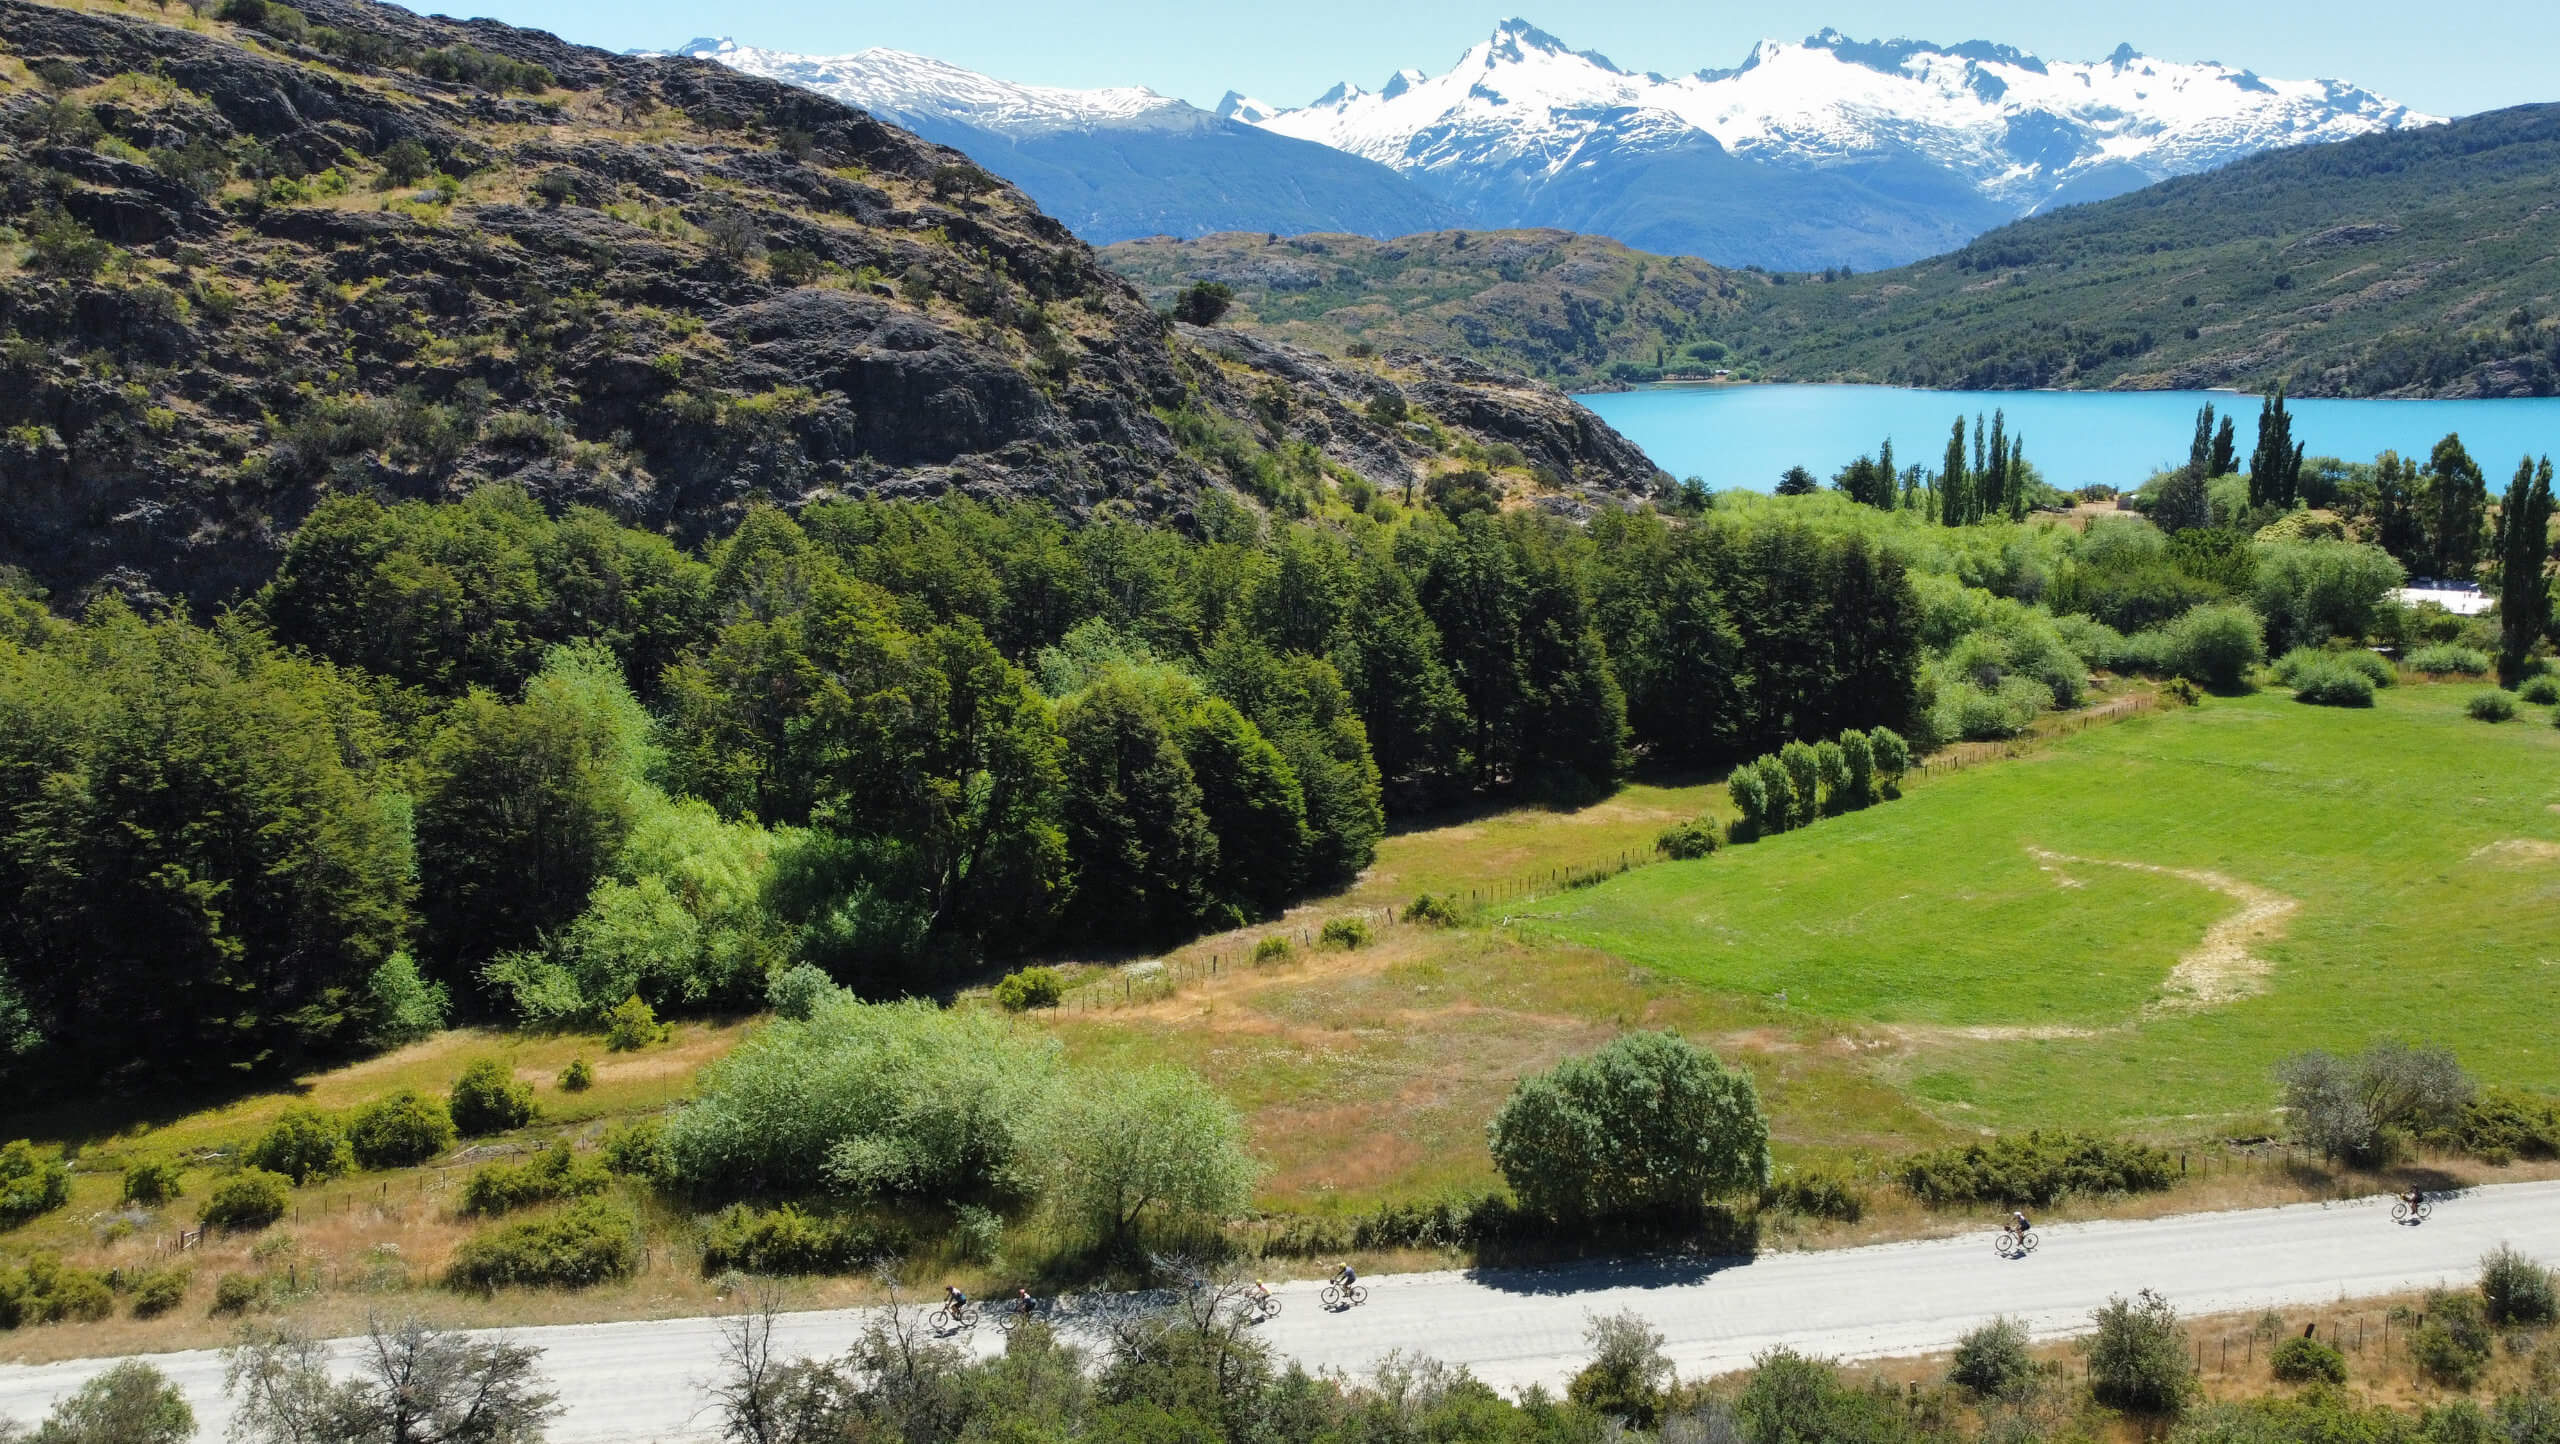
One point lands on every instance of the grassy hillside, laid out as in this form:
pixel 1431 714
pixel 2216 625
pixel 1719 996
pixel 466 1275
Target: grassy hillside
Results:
pixel 1562 307
pixel 2418 263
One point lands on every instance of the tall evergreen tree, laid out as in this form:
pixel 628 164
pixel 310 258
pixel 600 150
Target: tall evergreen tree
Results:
pixel 2200 450
pixel 2456 509
pixel 2226 450
pixel 2017 477
pixel 1954 487
pixel 2397 528
pixel 2275 466
pixel 1995 477
pixel 2524 588
pixel 1892 480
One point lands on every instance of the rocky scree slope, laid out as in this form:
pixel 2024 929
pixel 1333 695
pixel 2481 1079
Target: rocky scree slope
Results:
pixel 260 258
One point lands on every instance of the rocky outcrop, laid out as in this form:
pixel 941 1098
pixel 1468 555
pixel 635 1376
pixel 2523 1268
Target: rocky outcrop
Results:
pixel 273 263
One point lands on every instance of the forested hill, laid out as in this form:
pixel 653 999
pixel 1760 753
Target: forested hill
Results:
pixel 257 255
pixel 1580 311
pixel 2414 263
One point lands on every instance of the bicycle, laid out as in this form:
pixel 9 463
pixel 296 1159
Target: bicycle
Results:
pixel 2013 1244
pixel 951 1318
pixel 1016 1314
pixel 2402 1211
pixel 1337 1297
pixel 1262 1310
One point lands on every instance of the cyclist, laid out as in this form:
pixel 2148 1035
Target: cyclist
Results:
pixel 955 1298
pixel 2018 1224
pixel 2416 1199
pixel 1261 1292
pixel 1345 1277
pixel 1023 1303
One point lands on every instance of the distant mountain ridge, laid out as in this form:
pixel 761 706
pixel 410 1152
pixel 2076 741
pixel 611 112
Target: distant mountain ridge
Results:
pixel 1112 164
pixel 1809 155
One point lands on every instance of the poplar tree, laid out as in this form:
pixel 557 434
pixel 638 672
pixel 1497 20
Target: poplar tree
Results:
pixel 2275 466
pixel 2200 450
pixel 1954 486
pixel 1995 479
pixel 2524 589
pixel 2455 507
pixel 2226 450
pixel 2017 477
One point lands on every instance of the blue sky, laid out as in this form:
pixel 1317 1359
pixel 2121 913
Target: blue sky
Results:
pixel 2497 53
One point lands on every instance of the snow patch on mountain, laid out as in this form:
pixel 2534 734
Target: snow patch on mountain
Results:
pixel 898 84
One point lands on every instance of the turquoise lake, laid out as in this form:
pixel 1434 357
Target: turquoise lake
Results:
pixel 1747 436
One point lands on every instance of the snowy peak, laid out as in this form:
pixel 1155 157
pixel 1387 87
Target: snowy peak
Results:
pixel 898 84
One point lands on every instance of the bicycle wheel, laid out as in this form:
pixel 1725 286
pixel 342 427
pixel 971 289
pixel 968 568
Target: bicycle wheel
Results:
pixel 941 1319
pixel 2400 1211
pixel 2028 1243
pixel 1359 1294
pixel 1333 1296
pixel 2424 1210
pixel 2003 1243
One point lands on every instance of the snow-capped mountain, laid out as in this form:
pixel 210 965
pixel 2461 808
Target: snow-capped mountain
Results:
pixel 1519 123
pixel 1826 152
pixel 1112 164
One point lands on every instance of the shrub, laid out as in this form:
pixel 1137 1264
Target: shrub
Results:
pixel 157 1292
pixel 2501 1127
pixel 554 1173
pixel 1831 770
pixel 2325 684
pixel 1272 949
pixel 578 1077
pixel 131 1403
pixel 45 1290
pixel 1429 910
pixel 2138 1356
pixel 1751 798
pixel 153 1181
pixel 978 1232
pixel 2036 1169
pixel 1628 1375
pixel 2307 1361
pixel 2491 707
pixel 250 1198
pixel 1992 1360
pixel 2452 1347
pixel 304 1145
pixel 1345 933
pixel 1893 759
pixel 32 1181
pixel 637 1150
pixel 787 1241
pixel 631 1026
pixel 2214 646
pixel 1650 1125
pixel 401 1130
pixel 1687 841
pixel 2447 657
pixel 405 1006
pixel 796 991
pixel 586 1243
pixel 2542 691
pixel 1858 754
pixel 2288 669
pixel 1803 770
pixel 1030 988
pixel 237 1293
pixel 487 1099
pixel 1816 1194
pixel 2515 1290
pixel 1157 1139
pixel 2357 1109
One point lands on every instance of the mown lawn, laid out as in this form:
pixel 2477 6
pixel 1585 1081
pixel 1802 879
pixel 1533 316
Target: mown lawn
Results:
pixel 2421 851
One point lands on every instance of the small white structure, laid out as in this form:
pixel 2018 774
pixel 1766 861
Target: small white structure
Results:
pixel 2463 599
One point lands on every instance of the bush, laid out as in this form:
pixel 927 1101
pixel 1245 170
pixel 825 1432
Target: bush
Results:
pixel 45 1290
pixel 487 1099
pixel 1275 948
pixel 1157 1139
pixel 1992 1360
pixel 787 1241
pixel 1030 988
pixel 157 1292
pixel 250 1198
pixel 131 1403
pixel 2307 1361
pixel 1688 841
pixel 2501 1127
pixel 399 1131
pixel 2515 1290
pixel 1428 910
pixel 304 1145
pixel 32 1181
pixel 1650 1125
pixel 2214 646
pixel 977 1233
pixel 2326 684
pixel 2447 657
pixel 584 1244
pixel 2357 1109
pixel 1344 933
pixel 578 1077
pixel 555 1173
pixel 2491 707
pixel 796 991
pixel 405 1006
pixel 1628 1375
pixel 2542 691
pixel 2036 1169
pixel 2138 1356
pixel 2452 1347
pixel 631 1026
pixel 1893 759
pixel 637 1150
pixel 237 1293
pixel 153 1181
pixel 1816 1194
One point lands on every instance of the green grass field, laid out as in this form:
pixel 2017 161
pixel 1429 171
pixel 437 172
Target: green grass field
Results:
pixel 2420 851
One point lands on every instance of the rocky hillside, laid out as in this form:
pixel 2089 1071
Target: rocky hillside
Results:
pixel 264 254
pixel 1580 311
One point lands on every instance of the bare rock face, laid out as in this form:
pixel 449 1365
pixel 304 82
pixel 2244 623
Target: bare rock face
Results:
pixel 349 248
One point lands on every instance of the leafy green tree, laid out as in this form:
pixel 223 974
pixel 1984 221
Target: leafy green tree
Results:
pixel 1649 1126
pixel 1202 303
pixel 1893 758
pixel 32 1181
pixel 1136 821
pixel 1992 1360
pixel 1831 770
pixel 1157 1140
pixel 2456 509
pixel 1751 799
pixel 2398 511
pixel 2524 585
pixel 131 1403
pixel 405 1006
pixel 1629 1377
pixel 1858 765
pixel 1797 482
pixel 2275 464
pixel 304 1145
pixel 1804 782
pixel 400 1130
pixel 2138 1356
pixel 487 1099
pixel 412 1385
pixel 2226 450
